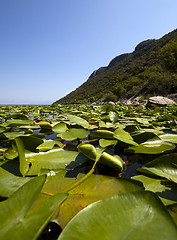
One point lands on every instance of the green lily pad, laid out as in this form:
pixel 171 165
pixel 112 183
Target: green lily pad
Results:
pixel 60 127
pixel 168 137
pixel 45 125
pixel 172 209
pixel 124 136
pixel 152 146
pixel 105 143
pixel 11 135
pixel 142 121
pixel 9 183
pixel 74 133
pixel 18 122
pixel 32 163
pixel 166 191
pixel 14 221
pixel 135 216
pixel 94 188
pixel 78 120
pixel 164 166
pixel 48 145
pixel 143 136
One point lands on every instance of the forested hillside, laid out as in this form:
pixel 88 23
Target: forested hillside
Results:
pixel 150 70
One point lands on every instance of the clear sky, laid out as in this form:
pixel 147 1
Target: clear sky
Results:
pixel 50 47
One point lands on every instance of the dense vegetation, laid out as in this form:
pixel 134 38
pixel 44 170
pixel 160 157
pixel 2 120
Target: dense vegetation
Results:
pixel 88 172
pixel 149 70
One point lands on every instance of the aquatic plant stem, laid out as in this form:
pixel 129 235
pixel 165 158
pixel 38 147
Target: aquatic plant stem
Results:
pixel 82 179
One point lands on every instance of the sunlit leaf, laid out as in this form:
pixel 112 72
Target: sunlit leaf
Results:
pixel 78 120
pixel 32 163
pixel 135 216
pixel 14 221
pixel 152 146
pixel 60 127
pixel 9 183
pixel 164 166
pixel 106 143
pixel 94 188
pixel 74 133
pixel 48 145
pixel 45 125
pixel 18 122
pixel 166 190
pixel 168 137
pixel 124 136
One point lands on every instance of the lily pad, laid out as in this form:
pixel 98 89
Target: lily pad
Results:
pixel 14 221
pixel 105 143
pixel 94 188
pixel 9 183
pixel 166 190
pixel 48 145
pixel 124 136
pixel 32 163
pixel 135 216
pixel 164 166
pixel 74 133
pixel 152 146
pixel 60 127
pixel 78 120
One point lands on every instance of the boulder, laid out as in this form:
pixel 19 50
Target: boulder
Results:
pixel 159 101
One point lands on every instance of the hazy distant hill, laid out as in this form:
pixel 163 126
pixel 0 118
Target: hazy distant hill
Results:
pixel 150 70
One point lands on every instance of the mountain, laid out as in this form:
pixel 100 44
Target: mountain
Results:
pixel 151 69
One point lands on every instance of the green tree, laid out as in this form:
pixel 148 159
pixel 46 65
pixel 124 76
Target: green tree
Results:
pixel 168 56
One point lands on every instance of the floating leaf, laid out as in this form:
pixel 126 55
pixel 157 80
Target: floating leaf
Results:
pixel 14 221
pixel 143 136
pixel 78 120
pixel 48 145
pixel 124 136
pixel 164 166
pixel 166 190
pixel 45 125
pixel 94 188
pixel 60 127
pixel 168 137
pixel 74 133
pixel 11 135
pixel 152 146
pixel 142 121
pixel 172 209
pixel 135 215
pixel 32 163
pixel 10 153
pixel 31 142
pixel 105 143
pixel 9 183
pixel 18 122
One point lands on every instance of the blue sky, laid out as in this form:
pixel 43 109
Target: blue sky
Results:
pixel 50 47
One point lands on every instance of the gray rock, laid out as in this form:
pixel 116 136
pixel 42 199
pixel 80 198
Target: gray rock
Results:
pixel 159 101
